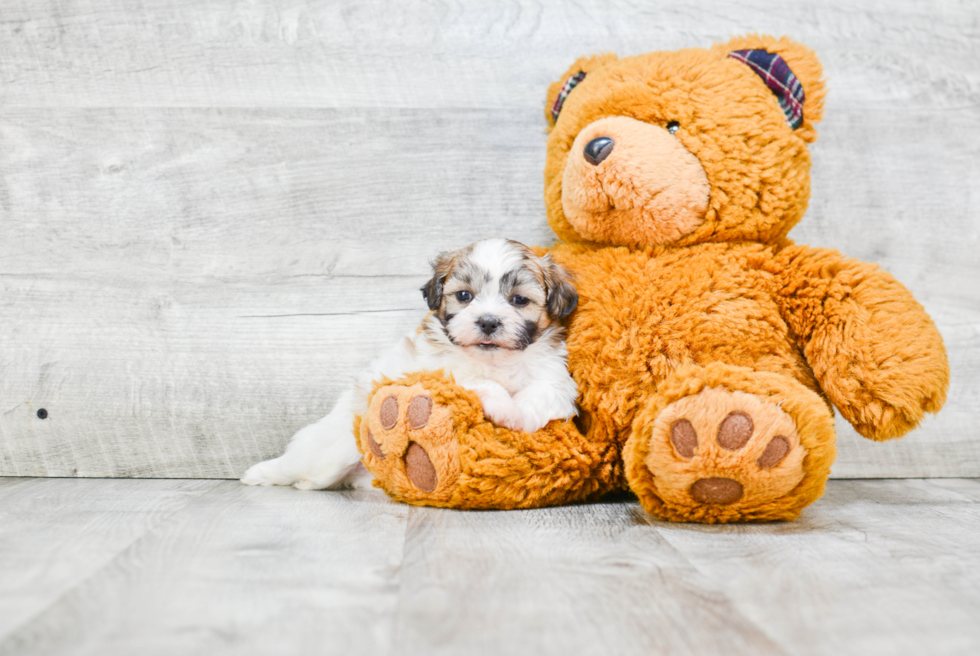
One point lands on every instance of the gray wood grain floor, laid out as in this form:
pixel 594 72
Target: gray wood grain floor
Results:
pixel 213 213
pixel 211 567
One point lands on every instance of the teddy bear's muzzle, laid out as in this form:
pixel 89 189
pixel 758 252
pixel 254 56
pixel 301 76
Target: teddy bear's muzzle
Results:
pixel 631 182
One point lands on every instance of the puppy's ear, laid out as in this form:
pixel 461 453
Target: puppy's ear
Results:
pixel 432 290
pixel 561 296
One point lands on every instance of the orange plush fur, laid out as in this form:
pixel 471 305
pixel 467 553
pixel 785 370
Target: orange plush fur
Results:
pixel 708 348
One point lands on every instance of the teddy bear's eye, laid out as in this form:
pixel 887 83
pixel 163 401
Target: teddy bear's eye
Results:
pixel 673 127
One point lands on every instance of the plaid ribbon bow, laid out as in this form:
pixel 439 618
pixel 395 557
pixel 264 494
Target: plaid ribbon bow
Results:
pixel 566 89
pixel 775 72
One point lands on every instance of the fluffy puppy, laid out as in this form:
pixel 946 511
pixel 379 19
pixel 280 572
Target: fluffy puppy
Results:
pixel 494 307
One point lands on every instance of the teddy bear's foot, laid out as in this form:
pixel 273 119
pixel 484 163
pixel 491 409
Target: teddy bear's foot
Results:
pixel 427 442
pixel 409 442
pixel 719 448
pixel 737 446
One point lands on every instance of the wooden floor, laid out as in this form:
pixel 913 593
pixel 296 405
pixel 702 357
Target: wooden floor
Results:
pixel 209 567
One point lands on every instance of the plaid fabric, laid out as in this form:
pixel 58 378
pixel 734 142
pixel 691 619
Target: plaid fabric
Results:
pixel 775 72
pixel 566 89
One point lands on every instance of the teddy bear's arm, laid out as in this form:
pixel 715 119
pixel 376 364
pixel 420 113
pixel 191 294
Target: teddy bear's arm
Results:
pixel 874 350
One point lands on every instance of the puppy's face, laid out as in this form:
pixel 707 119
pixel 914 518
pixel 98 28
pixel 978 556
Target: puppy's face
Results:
pixel 497 295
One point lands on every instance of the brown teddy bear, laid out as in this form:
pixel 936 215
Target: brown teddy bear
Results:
pixel 708 347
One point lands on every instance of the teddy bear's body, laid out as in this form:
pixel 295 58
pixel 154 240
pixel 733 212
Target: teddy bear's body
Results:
pixel 708 348
pixel 643 313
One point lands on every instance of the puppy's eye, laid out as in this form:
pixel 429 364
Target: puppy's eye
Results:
pixel 673 127
pixel 519 301
pixel 464 296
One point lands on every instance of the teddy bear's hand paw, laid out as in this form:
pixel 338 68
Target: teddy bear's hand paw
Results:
pixel 410 444
pixel 726 451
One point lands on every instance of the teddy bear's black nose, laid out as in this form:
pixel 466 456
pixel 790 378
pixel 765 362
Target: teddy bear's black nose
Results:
pixel 598 149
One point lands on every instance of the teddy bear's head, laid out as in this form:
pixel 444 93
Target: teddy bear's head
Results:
pixel 683 147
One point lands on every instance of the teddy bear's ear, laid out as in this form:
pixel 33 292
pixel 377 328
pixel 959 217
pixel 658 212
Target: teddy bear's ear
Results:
pixel 559 89
pixel 790 70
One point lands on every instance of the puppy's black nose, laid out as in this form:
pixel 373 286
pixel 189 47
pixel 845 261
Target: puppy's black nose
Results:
pixel 488 324
pixel 598 149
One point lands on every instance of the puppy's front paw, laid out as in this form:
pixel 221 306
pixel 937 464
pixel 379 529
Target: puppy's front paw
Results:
pixel 504 417
pixel 499 407
pixel 490 391
pixel 503 412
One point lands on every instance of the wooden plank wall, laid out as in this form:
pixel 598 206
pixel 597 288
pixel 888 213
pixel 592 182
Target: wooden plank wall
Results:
pixel 213 213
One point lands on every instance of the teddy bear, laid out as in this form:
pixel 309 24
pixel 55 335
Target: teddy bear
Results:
pixel 709 349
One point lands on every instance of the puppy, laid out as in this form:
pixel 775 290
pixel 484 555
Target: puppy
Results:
pixel 492 324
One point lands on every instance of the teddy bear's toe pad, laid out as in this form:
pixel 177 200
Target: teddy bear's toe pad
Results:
pixel 409 443
pixel 721 447
pixel 420 469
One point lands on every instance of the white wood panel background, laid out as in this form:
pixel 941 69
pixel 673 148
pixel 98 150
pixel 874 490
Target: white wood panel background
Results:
pixel 211 214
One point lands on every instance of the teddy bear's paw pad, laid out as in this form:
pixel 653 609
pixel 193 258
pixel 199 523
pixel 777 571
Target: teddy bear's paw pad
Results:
pixel 420 469
pixel 722 447
pixel 716 490
pixel 409 443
